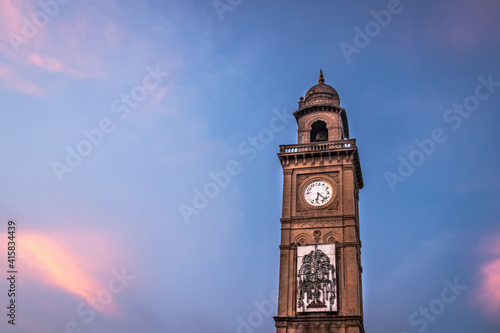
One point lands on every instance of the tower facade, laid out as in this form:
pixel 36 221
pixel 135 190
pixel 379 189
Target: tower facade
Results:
pixel 320 252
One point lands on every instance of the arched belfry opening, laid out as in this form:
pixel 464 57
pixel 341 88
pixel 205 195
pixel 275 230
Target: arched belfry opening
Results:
pixel 319 132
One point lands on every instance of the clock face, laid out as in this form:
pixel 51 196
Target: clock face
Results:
pixel 318 193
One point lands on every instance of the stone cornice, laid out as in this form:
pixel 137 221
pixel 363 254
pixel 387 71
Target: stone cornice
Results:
pixel 319 317
pixel 323 152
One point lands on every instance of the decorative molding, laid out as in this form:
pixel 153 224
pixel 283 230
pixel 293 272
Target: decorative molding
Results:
pixel 351 244
pixel 281 324
pixel 336 326
pixel 335 176
pixel 301 239
pixel 322 328
pixel 335 204
pixel 326 223
pixel 337 219
pixel 316 235
pixel 301 207
pixel 331 237
pixel 302 328
pixel 301 178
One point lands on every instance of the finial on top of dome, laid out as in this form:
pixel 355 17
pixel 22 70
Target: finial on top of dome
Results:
pixel 321 78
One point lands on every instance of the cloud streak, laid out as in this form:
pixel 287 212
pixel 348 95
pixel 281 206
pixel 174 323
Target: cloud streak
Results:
pixel 65 261
pixel 65 44
pixel 59 267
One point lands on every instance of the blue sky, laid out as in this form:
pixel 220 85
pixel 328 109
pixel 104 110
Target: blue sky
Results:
pixel 159 97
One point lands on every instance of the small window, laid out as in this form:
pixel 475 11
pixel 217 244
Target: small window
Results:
pixel 319 132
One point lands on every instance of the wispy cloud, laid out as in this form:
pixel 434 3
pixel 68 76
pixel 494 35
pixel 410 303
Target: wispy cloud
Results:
pixel 464 24
pixel 58 266
pixel 65 261
pixel 11 79
pixel 68 43
pixel 11 20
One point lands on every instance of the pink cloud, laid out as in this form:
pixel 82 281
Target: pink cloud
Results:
pixel 10 22
pixel 488 293
pixel 68 44
pixel 55 65
pixel 57 265
pixel 47 63
pixel 11 79
pixel 13 17
pixel 463 24
pixel 490 287
pixel 159 94
pixel 79 263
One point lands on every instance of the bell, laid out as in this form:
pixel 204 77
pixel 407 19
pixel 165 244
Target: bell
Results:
pixel 321 136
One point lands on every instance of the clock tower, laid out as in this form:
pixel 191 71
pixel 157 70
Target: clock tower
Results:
pixel 320 252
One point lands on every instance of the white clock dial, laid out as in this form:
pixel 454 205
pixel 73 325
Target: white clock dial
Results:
pixel 318 193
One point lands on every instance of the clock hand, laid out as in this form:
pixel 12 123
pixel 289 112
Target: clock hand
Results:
pixel 317 195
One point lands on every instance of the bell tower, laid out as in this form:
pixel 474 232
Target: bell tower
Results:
pixel 320 252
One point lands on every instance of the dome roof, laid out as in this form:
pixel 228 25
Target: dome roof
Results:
pixel 322 88
pixel 321 94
